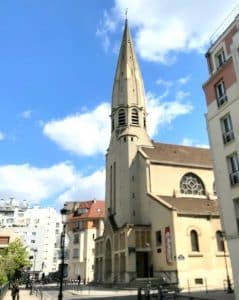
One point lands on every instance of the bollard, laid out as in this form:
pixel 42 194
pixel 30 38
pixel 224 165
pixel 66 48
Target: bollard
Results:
pixel 139 294
pixel 147 293
pixel 160 293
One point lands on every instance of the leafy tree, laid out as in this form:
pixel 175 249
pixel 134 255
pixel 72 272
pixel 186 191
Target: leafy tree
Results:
pixel 12 260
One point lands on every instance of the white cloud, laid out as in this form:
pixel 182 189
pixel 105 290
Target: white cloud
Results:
pixel 60 181
pixel 164 27
pixel 26 114
pixel 193 143
pixel 2 136
pixel 83 134
pixel 184 80
pixel 106 26
pixel 88 133
pixel 86 188
pixel 162 113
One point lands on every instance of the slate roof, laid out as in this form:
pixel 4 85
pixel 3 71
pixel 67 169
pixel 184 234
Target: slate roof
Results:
pixel 190 205
pixel 179 155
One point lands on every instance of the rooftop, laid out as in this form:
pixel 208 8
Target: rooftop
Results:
pixel 179 155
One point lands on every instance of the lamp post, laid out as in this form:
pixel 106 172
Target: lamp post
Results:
pixel 229 285
pixel 64 213
pixel 34 264
pixel 33 270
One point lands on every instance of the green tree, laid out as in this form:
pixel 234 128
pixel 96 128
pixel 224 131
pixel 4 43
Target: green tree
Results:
pixel 12 260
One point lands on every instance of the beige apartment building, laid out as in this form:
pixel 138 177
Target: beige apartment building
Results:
pixel 162 219
pixel 222 96
pixel 84 225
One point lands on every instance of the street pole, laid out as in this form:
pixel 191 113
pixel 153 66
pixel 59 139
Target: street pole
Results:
pixel 60 296
pixel 229 285
pixel 33 270
pixel 64 213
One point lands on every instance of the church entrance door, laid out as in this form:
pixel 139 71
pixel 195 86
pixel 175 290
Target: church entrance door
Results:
pixel 142 264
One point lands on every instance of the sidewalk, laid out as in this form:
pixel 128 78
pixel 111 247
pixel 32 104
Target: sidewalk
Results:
pixel 94 292
pixel 24 295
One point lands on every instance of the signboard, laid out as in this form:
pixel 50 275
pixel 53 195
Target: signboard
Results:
pixel 168 246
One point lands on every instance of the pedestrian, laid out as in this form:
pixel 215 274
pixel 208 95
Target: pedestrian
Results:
pixel 79 280
pixel 15 291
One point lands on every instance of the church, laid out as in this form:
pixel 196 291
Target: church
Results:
pixel 161 213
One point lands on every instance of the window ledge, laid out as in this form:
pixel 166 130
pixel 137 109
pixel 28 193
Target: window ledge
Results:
pixel 221 254
pixel 195 254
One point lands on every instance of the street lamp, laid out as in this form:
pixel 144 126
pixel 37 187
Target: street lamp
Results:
pixel 64 213
pixel 34 264
pixel 229 285
pixel 34 268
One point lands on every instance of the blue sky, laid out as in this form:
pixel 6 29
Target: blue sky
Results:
pixel 57 62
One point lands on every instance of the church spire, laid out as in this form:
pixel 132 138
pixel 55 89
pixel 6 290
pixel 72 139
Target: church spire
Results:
pixel 128 89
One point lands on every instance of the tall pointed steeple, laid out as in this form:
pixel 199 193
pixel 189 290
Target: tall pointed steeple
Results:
pixel 128 135
pixel 128 98
pixel 128 84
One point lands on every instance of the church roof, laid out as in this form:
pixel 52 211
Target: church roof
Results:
pixel 179 155
pixel 193 206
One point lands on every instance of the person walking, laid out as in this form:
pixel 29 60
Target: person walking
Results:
pixel 15 291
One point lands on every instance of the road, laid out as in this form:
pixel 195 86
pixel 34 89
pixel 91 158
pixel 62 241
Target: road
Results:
pixel 51 291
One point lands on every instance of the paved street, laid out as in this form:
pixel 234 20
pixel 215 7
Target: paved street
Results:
pixel 24 295
pixel 94 293
pixel 50 292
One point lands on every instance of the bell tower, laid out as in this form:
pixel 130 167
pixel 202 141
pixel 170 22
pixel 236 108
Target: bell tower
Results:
pixel 128 132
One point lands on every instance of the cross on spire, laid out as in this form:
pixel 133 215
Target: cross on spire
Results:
pixel 126 14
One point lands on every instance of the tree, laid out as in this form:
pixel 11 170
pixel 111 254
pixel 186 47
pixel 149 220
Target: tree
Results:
pixel 12 260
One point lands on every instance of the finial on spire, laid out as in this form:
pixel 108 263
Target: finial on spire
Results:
pixel 126 15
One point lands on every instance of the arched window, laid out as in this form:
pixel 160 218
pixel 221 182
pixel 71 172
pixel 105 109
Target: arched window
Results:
pixel 192 184
pixel 194 241
pixel 135 117
pixel 121 117
pixel 220 241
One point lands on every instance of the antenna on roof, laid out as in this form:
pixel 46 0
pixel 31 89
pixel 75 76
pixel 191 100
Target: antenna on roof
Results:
pixel 225 23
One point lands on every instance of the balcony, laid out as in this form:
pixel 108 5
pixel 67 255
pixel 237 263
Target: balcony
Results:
pixel 234 178
pixel 228 136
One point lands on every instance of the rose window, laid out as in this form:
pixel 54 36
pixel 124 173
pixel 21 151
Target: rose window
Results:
pixel 192 184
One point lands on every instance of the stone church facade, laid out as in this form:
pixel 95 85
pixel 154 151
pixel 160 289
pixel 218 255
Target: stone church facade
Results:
pixel 161 215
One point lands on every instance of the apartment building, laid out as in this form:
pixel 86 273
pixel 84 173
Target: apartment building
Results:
pixel 222 97
pixel 39 230
pixel 85 223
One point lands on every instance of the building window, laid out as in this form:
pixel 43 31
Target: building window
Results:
pixel 194 241
pixel 158 238
pixel 220 58
pixel 198 281
pixel 135 117
pixel 220 93
pixel 76 239
pixel 192 184
pixel 227 130
pixel 75 253
pixel 236 206
pixel 121 117
pixel 220 241
pixel 233 167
